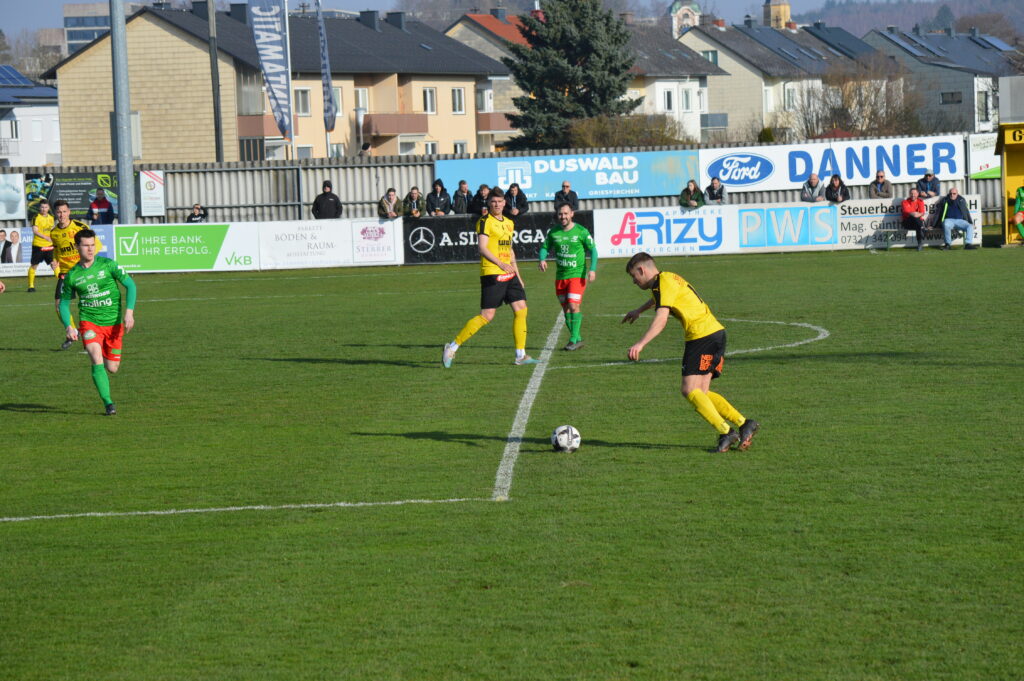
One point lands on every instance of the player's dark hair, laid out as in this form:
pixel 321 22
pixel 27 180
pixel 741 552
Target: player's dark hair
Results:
pixel 42 201
pixel 84 234
pixel 496 191
pixel 559 205
pixel 58 203
pixel 636 260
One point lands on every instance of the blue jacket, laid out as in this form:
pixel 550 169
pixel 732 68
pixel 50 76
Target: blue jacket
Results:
pixel 932 186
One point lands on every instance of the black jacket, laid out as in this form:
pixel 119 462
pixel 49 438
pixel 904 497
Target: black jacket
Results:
pixel 478 204
pixel 192 217
pixel 518 202
pixel 460 202
pixel 441 202
pixel 327 206
pixel 840 193
pixel 571 198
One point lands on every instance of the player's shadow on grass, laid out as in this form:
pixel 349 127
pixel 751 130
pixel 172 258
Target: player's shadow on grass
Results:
pixel 341 360
pixel 477 440
pixel 27 408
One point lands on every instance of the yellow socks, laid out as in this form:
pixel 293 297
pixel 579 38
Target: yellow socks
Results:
pixel 31 277
pixel 726 410
pixel 702 403
pixel 471 327
pixel 519 329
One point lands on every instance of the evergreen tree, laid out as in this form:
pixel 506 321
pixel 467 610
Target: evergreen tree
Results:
pixel 576 66
pixel 944 18
pixel 6 57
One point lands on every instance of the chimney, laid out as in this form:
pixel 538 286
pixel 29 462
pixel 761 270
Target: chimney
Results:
pixel 237 12
pixel 537 13
pixel 819 24
pixel 791 25
pixel 748 21
pixel 916 30
pixel 370 19
pixel 159 5
pixel 500 13
pixel 627 18
pixel 975 32
pixel 199 8
pixel 396 19
pixel 950 32
pixel 720 23
pixel 890 29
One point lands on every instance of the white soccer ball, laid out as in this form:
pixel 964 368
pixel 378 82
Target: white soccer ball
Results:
pixel 565 439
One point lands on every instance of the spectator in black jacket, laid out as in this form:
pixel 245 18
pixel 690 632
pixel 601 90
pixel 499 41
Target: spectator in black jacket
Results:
pixel 515 201
pixel 327 206
pixel 438 201
pixel 462 198
pixel 198 214
pixel 567 195
pixel 478 206
pixel 837 191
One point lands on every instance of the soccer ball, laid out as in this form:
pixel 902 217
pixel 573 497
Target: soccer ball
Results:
pixel 565 439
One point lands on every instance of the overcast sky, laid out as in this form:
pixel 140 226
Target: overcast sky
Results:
pixel 35 14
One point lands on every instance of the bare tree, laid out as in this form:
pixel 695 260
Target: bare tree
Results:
pixel 988 23
pixel 627 131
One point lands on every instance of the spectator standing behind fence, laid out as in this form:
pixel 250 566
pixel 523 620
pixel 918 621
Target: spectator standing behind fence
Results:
pixel 198 214
pixel 414 205
pixel 951 212
pixel 837 191
pixel 388 206
pixel 691 197
pixel 928 186
pixel 462 198
pixel 716 194
pixel 327 206
pixel 812 190
pixel 101 212
pixel 881 188
pixel 478 205
pixel 438 201
pixel 567 195
pixel 515 201
pixel 914 213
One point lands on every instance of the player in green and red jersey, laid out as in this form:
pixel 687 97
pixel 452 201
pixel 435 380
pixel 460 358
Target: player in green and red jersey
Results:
pixel 102 324
pixel 569 245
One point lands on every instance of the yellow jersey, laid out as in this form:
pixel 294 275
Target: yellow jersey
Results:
pixel 499 232
pixel 44 223
pixel 65 251
pixel 675 293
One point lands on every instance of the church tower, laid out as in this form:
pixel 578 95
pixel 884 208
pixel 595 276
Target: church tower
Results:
pixel 683 15
pixel 776 13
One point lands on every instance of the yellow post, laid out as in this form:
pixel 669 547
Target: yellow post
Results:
pixel 1010 147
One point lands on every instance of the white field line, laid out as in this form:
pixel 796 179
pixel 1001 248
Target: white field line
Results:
pixel 823 333
pixel 503 480
pixel 295 295
pixel 236 509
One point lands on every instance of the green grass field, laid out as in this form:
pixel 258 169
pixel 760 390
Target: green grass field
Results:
pixel 873 531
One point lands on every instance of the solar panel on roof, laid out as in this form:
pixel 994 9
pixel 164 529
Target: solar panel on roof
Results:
pixel 904 44
pixel 10 76
pixel 996 43
pixel 835 51
pixel 789 54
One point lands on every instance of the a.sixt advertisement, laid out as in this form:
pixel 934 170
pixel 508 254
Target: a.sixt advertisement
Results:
pixel 787 166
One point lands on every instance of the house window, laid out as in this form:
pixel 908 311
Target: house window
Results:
pixel 9 129
pixel 406 148
pixel 790 99
pixel 305 151
pixel 337 150
pixel 336 96
pixel 362 98
pixel 485 100
pixel 430 148
pixel 951 98
pixel 668 101
pixel 302 102
pixel 460 147
pixel 984 110
pixel 429 100
pixel 458 100
pixel 685 100
pixel 251 149
pixel 702 99
pixel 710 55
pixel 249 92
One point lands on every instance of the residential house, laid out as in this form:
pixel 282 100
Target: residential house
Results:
pixel 414 86
pixel 956 75
pixel 670 77
pixel 29 124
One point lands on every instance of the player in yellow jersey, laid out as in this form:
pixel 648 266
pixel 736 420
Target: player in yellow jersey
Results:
pixel 703 353
pixel 499 280
pixel 42 244
pixel 65 251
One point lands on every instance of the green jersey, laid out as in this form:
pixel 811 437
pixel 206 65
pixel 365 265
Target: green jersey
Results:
pixel 99 298
pixel 568 246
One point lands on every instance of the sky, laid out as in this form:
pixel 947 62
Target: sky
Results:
pixel 36 14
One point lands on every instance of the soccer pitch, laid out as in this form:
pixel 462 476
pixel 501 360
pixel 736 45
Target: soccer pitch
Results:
pixel 338 482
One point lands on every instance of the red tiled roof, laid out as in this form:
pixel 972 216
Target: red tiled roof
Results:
pixel 507 31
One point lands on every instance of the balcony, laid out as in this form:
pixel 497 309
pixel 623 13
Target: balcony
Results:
pixel 9 147
pixel 262 126
pixel 493 122
pixel 391 124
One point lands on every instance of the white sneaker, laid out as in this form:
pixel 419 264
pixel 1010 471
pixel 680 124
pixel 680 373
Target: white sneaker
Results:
pixel 526 359
pixel 447 355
